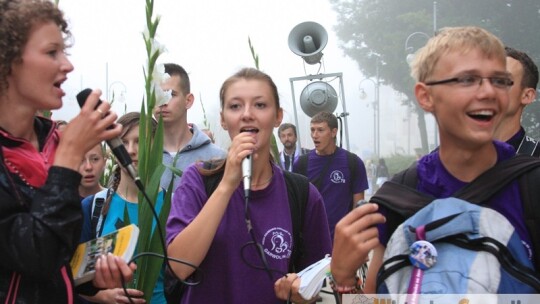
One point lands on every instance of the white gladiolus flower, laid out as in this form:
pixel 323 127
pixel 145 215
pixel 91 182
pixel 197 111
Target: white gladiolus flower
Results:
pixel 159 77
pixel 162 97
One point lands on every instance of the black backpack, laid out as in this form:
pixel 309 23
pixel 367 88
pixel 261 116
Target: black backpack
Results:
pixel 297 191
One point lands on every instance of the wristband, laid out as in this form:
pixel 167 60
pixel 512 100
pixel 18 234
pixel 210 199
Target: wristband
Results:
pixel 357 288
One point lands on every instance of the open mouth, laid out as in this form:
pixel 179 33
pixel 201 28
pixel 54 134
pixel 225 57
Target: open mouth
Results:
pixel 250 130
pixel 482 115
pixel 58 83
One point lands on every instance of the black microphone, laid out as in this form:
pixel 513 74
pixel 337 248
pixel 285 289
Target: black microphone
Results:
pixel 246 174
pixel 115 144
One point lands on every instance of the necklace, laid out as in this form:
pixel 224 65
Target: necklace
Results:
pixel 265 182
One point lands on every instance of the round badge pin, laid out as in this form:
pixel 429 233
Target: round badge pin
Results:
pixel 423 254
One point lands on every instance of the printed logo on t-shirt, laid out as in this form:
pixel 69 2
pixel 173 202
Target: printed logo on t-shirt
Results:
pixel 277 243
pixel 337 177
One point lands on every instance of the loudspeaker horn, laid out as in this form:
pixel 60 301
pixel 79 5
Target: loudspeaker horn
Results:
pixel 317 97
pixel 307 40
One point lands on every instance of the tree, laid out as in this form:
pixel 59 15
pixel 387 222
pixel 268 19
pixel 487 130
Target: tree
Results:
pixel 369 28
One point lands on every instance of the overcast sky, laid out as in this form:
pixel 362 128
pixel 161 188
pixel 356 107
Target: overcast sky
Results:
pixel 209 39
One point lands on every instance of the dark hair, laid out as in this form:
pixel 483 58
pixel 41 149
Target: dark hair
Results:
pixel 174 69
pixel 249 74
pixel 327 117
pixel 285 126
pixel 530 70
pixel 17 17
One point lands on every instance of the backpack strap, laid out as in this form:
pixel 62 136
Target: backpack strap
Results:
pixel 96 218
pixel 407 177
pixel 496 178
pixel 297 192
pixel 352 163
pixel 301 164
pixel 530 197
pixel 404 199
pixel 528 146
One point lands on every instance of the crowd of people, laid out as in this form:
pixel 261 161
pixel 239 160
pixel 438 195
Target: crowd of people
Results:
pixel 239 229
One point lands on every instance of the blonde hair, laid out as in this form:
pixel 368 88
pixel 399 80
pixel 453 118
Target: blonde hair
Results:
pixel 455 39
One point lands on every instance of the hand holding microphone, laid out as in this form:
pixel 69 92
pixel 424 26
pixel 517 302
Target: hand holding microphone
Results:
pixel 115 144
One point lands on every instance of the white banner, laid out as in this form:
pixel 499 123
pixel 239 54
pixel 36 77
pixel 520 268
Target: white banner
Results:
pixel 441 299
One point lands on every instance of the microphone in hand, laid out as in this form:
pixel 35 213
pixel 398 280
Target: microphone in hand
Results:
pixel 246 174
pixel 115 144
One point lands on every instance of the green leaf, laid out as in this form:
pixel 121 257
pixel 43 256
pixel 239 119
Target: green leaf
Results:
pixel 274 150
pixel 150 170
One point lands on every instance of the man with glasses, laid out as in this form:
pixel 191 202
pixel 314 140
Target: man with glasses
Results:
pixel 291 151
pixel 462 79
pixel 525 75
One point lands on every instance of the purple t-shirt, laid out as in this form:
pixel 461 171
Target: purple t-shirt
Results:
pixel 335 187
pixel 434 179
pixel 227 277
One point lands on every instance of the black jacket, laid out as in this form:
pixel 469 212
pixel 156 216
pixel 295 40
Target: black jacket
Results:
pixel 39 229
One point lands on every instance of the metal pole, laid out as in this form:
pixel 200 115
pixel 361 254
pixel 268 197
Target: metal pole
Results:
pixel 435 129
pixel 378 100
pixel 434 18
pixel 375 125
pixel 298 141
pixel 345 113
pixel 107 81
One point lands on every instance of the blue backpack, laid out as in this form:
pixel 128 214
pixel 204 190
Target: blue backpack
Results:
pixel 455 245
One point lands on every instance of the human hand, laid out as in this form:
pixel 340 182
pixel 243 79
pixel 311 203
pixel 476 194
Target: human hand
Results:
pixel 289 285
pixel 109 271
pixel 117 295
pixel 242 145
pixel 355 236
pixel 85 131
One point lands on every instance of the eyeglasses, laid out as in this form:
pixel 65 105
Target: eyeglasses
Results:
pixel 471 81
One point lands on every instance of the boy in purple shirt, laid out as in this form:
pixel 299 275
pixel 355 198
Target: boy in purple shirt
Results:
pixel 329 169
pixel 463 81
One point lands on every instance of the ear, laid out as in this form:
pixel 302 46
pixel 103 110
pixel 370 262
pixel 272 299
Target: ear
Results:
pixel 528 96
pixel 189 100
pixel 423 97
pixel 222 121
pixel 279 118
pixel 334 132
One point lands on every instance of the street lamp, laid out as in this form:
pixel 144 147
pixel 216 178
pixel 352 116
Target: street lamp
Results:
pixel 410 51
pixel 112 91
pixel 376 112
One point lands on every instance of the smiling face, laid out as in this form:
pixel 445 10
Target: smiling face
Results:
pixel 250 106
pixel 466 116
pixel 35 81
